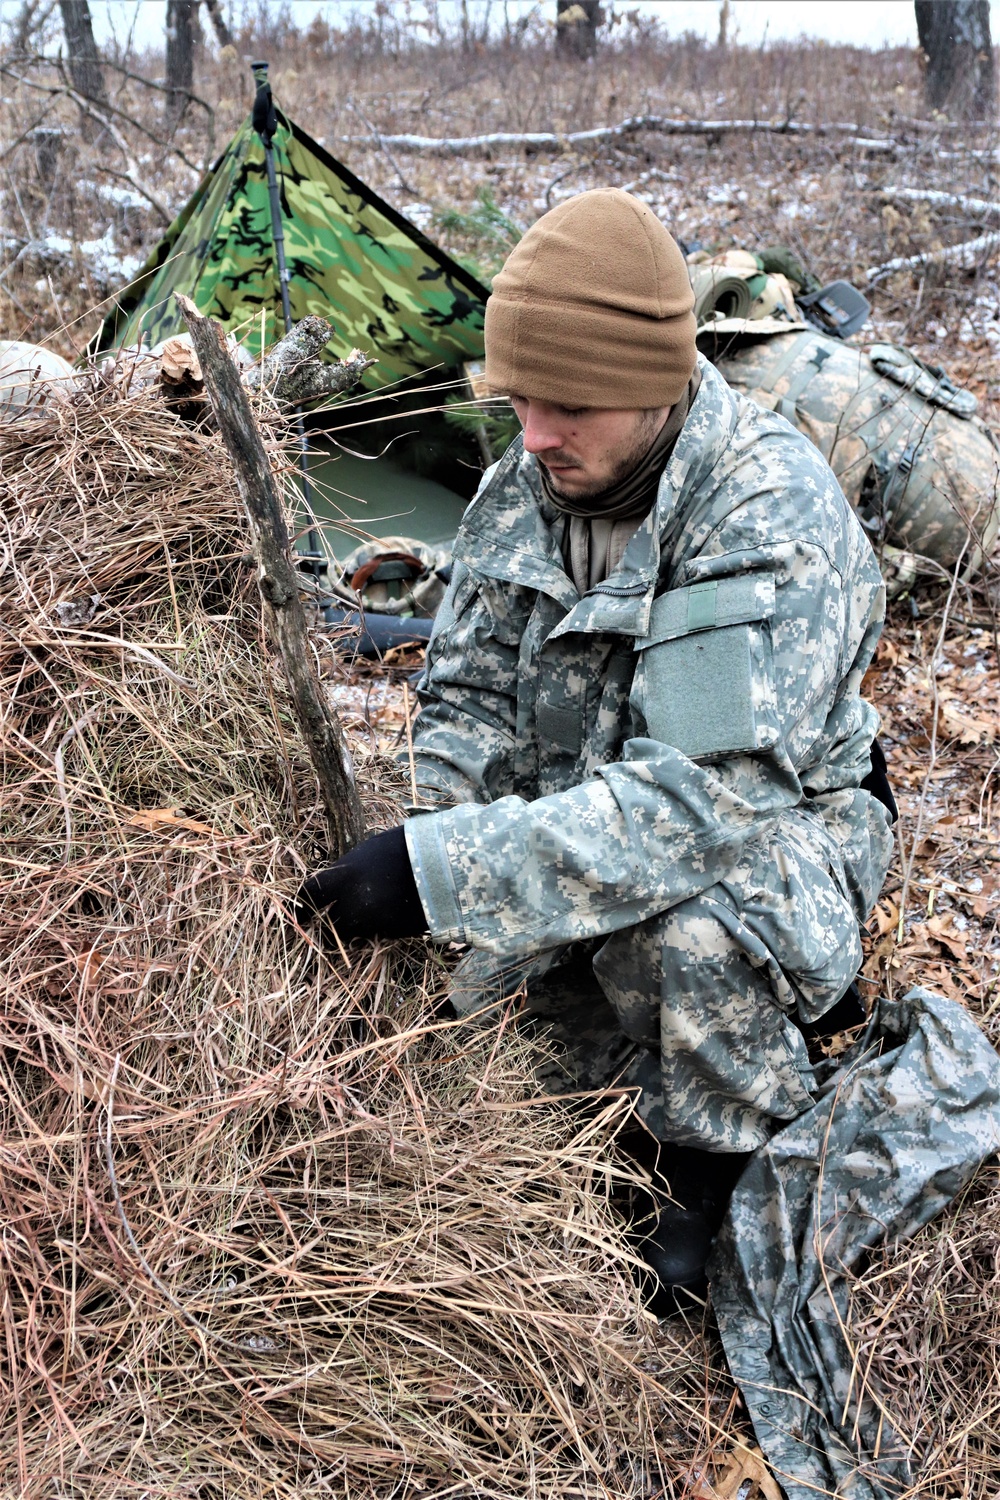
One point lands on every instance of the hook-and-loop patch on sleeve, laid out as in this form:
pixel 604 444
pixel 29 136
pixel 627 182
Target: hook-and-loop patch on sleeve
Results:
pixel 705 680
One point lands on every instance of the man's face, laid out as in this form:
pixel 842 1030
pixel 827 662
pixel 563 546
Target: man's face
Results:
pixel 586 451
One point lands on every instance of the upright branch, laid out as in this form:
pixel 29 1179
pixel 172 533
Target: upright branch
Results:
pixel 223 34
pixel 278 580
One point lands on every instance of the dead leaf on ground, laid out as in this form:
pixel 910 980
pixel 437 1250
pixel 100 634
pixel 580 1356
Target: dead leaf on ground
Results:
pixel 90 965
pixel 967 727
pixel 886 915
pixel 942 930
pixel 167 820
pixel 744 1477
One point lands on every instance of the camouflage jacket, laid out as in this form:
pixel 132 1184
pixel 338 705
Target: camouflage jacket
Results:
pixel 606 757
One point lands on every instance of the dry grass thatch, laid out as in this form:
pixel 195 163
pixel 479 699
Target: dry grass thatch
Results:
pixel 270 1227
pixel 925 1324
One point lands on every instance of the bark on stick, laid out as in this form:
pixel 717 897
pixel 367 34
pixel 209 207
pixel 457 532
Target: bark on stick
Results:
pixel 278 580
pixel 292 371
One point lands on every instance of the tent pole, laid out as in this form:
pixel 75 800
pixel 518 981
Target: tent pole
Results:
pixel 265 123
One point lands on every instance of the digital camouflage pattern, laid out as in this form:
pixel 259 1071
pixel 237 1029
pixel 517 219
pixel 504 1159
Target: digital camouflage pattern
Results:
pixel 352 259
pixel 671 764
pixel 920 475
pixel 896 1131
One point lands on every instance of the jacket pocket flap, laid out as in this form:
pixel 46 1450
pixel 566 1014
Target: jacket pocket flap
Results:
pixel 708 606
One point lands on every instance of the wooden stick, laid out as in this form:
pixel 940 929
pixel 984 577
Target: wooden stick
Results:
pixel 292 371
pixel 409 745
pixel 278 580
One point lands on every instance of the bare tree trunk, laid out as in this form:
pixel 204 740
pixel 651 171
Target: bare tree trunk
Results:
pixel 181 17
pixel 277 580
pixel 223 35
pixel 725 16
pixel 576 27
pixel 955 38
pixel 84 61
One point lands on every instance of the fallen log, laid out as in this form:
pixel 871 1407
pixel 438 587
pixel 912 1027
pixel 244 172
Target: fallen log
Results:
pixel 968 255
pixel 979 207
pixel 277 580
pixel 547 140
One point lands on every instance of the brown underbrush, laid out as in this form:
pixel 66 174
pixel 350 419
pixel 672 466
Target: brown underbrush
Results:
pixel 270 1225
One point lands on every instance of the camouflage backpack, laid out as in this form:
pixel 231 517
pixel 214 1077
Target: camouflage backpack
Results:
pixel 913 458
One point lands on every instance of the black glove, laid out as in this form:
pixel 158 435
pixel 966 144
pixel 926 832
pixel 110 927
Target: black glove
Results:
pixel 368 893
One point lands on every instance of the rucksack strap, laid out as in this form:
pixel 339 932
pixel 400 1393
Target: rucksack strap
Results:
pixel 818 356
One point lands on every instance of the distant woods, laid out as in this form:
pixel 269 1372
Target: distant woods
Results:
pixel 182 31
pixel 954 36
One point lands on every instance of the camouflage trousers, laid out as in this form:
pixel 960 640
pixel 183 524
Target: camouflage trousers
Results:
pixel 694 1009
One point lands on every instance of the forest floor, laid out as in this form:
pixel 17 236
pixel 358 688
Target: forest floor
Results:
pixel 72 237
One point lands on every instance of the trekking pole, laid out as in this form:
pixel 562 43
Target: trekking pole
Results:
pixel 265 122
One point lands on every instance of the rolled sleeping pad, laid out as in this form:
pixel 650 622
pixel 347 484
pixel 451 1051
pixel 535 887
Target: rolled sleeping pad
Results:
pixel 372 634
pixel 719 293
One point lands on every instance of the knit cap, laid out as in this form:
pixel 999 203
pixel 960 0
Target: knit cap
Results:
pixel 593 308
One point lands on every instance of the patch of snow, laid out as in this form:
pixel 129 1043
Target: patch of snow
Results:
pixel 122 196
pixel 421 214
pixel 107 264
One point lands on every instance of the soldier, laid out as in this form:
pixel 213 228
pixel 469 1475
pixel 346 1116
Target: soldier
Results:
pixel 642 752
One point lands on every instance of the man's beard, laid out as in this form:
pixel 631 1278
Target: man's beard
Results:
pixel 626 461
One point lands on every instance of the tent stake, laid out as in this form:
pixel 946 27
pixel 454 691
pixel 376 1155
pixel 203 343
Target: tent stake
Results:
pixel 265 122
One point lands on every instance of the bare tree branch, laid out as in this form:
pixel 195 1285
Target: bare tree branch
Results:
pixel 278 580
pixel 291 372
pixel 63 91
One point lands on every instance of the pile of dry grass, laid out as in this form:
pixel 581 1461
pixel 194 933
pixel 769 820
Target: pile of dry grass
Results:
pixel 925 1325
pixel 270 1227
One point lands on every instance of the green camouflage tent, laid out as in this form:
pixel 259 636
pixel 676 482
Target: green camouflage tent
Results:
pixel 382 284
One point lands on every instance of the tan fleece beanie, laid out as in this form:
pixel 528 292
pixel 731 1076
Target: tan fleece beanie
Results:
pixel 593 308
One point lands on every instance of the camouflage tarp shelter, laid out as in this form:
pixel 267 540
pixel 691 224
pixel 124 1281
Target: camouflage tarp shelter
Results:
pixel 352 259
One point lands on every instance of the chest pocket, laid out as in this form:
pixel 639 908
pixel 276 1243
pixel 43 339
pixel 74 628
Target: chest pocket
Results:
pixel 705 681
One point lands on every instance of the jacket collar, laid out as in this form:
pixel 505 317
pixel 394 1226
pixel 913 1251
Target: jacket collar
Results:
pixel 507 533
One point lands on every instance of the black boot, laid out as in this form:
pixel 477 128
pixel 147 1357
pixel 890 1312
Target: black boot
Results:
pixel 701 1184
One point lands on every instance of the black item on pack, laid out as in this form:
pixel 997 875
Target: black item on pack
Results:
pixel 848 1012
pixel 838 308
pixel 373 635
